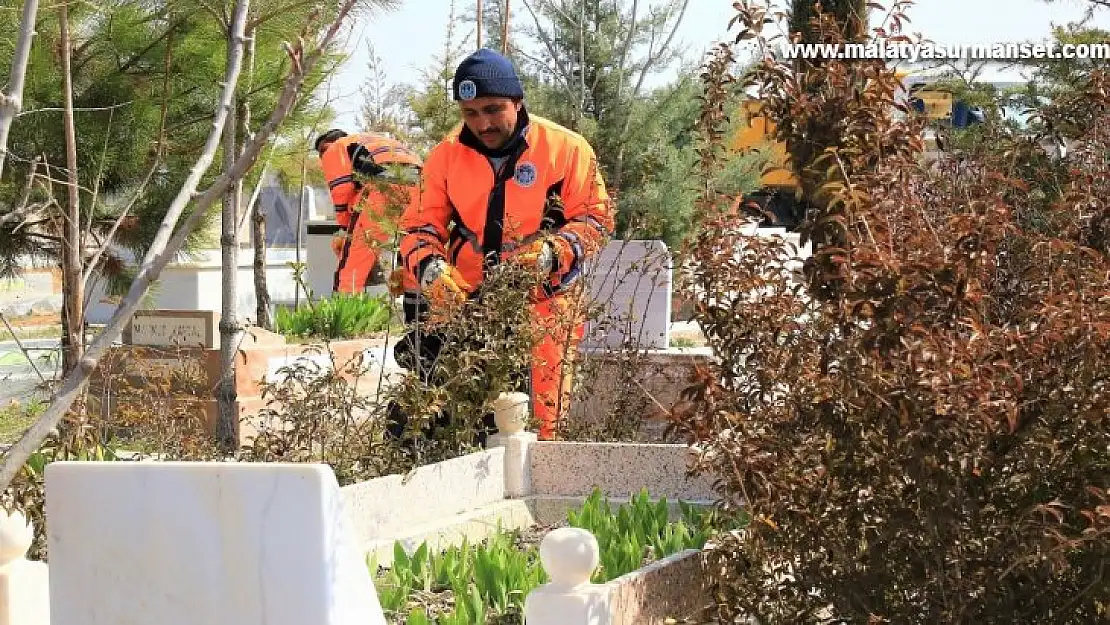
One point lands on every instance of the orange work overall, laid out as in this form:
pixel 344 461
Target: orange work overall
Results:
pixel 547 186
pixel 366 186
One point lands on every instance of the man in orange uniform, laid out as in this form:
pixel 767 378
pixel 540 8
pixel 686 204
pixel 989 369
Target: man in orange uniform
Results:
pixel 366 174
pixel 505 186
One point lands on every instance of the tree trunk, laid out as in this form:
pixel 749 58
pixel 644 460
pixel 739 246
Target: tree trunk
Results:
pixel 581 63
pixel 852 18
pixel 478 4
pixel 227 426
pixel 851 15
pixel 261 289
pixel 300 228
pixel 73 297
pixel 11 102
pixel 258 215
pixel 505 30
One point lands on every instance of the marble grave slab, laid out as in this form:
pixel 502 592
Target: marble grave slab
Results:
pixel 193 543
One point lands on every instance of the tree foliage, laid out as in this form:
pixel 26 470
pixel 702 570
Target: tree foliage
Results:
pixel 594 67
pixel 146 79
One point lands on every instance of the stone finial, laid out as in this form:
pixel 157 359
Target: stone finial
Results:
pixel 510 412
pixel 16 536
pixel 569 555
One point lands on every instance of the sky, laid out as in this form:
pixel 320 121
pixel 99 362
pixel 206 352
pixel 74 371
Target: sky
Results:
pixel 408 37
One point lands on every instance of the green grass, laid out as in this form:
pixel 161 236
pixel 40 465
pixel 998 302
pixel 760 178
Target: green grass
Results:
pixel 12 359
pixel 15 419
pixel 32 332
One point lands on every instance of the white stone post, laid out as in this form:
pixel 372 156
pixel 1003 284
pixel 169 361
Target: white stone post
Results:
pixel 569 555
pixel 510 413
pixel 24 585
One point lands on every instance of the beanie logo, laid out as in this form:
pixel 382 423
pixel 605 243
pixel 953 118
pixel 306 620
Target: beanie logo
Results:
pixel 468 90
pixel 525 174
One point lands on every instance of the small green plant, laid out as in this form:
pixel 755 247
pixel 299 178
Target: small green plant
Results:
pixel 485 581
pixel 488 582
pixel 640 531
pixel 342 316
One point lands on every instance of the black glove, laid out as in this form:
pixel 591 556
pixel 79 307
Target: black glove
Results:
pixel 363 162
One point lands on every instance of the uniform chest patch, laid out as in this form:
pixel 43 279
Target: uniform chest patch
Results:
pixel 525 174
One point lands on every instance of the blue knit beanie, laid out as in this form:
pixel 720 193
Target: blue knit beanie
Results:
pixel 486 73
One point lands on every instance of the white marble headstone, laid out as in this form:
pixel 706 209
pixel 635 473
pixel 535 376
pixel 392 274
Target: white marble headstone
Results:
pixel 630 285
pixel 190 543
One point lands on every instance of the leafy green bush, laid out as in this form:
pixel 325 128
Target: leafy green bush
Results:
pixel 342 316
pixel 488 582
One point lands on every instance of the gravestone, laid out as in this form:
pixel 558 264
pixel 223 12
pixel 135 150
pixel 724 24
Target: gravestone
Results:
pixel 174 328
pixel 630 285
pixel 203 543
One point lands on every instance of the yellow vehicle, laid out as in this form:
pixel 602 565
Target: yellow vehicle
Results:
pixel 776 196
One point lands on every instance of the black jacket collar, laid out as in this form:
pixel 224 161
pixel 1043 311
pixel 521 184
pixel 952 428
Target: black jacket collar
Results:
pixel 518 141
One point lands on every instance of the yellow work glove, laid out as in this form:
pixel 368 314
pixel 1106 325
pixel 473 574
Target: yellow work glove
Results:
pixel 397 282
pixel 445 289
pixel 538 255
pixel 337 243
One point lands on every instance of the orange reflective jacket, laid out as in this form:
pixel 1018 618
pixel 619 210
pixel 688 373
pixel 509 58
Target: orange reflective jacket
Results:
pixel 469 214
pixel 355 153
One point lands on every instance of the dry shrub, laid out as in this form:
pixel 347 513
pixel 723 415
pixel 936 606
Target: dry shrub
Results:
pixel 917 420
pixel 156 401
pixel 142 402
pixel 323 413
pixel 486 350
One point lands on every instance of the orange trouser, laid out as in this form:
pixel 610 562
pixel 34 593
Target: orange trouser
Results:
pixel 551 372
pixel 561 330
pixel 357 259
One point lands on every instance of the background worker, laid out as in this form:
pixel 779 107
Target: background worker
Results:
pixel 505 186
pixel 367 174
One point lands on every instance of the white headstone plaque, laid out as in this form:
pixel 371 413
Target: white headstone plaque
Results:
pixel 174 328
pixel 630 285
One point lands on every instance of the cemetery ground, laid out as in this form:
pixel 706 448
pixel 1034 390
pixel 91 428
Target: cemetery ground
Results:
pixel 457 540
pixel 312 394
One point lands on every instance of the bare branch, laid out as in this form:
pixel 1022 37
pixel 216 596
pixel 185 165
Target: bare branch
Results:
pixel 505 20
pixel 255 194
pixel 99 176
pixel 88 109
pixel 19 344
pixel 654 58
pixel 108 238
pixel 562 72
pixel 12 101
pixel 141 53
pixel 23 208
pixel 624 49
